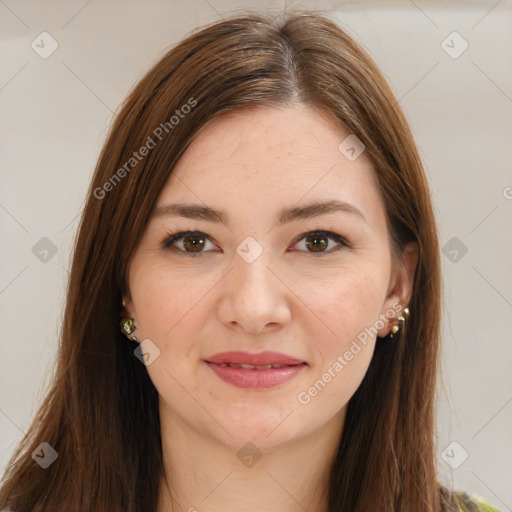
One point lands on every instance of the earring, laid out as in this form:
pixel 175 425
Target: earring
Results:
pixel 401 323
pixel 127 327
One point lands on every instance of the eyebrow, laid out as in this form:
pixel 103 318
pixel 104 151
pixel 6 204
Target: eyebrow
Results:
pixel 286 215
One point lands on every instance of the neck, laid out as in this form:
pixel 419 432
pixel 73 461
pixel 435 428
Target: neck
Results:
pixel 204 474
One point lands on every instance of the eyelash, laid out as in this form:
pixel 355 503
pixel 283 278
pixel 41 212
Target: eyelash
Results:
pixel 170 238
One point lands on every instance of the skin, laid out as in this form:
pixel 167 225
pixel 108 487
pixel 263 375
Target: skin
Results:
pixel 252 164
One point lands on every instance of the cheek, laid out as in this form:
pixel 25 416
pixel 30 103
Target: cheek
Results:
pixel 349 308
pixel 349 303
pixel 165 301
pixel 341 357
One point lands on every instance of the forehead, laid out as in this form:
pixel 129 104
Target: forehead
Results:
pixel 264 158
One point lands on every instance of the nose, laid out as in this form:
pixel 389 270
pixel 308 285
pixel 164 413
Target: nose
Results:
pixel 254 297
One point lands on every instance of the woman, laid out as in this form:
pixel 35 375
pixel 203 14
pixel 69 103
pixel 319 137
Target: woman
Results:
pixel 252 318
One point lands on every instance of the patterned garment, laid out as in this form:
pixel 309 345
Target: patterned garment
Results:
pixel 473 503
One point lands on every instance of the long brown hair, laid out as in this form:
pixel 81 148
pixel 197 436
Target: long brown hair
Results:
pixel 101 413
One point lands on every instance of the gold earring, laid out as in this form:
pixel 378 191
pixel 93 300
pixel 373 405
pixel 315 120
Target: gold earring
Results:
pixel 127 327
pixel 401 323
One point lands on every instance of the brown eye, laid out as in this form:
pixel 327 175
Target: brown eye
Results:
pixel 187 243
pixel 316 243
pixel 193 243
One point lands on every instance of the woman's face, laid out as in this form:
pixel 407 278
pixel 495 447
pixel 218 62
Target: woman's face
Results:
pixel 263 280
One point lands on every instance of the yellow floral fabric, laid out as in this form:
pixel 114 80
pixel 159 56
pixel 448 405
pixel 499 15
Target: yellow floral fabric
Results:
pixel 473 503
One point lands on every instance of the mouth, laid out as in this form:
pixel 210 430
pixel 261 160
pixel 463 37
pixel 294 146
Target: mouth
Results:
pixel 256 367
pixel 263 370
pixel 250 361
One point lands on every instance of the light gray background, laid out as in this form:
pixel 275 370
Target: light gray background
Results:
pixel 55 113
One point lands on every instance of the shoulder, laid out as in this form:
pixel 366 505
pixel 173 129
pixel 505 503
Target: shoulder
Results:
pixel 472 503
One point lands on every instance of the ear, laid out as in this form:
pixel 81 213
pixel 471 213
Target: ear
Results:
pixel 128 307
pixel 400 288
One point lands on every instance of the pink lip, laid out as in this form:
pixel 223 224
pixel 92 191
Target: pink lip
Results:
pixel 254 378
pixel 243 378
pixel 259 359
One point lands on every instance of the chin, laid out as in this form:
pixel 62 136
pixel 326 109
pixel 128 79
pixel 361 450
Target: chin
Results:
pixel 261 424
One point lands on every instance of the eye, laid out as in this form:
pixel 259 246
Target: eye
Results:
pixel 193 242
pixel 318 241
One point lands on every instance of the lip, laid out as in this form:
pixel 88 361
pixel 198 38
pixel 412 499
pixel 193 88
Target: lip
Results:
pixel 259 359
pixel 254 378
